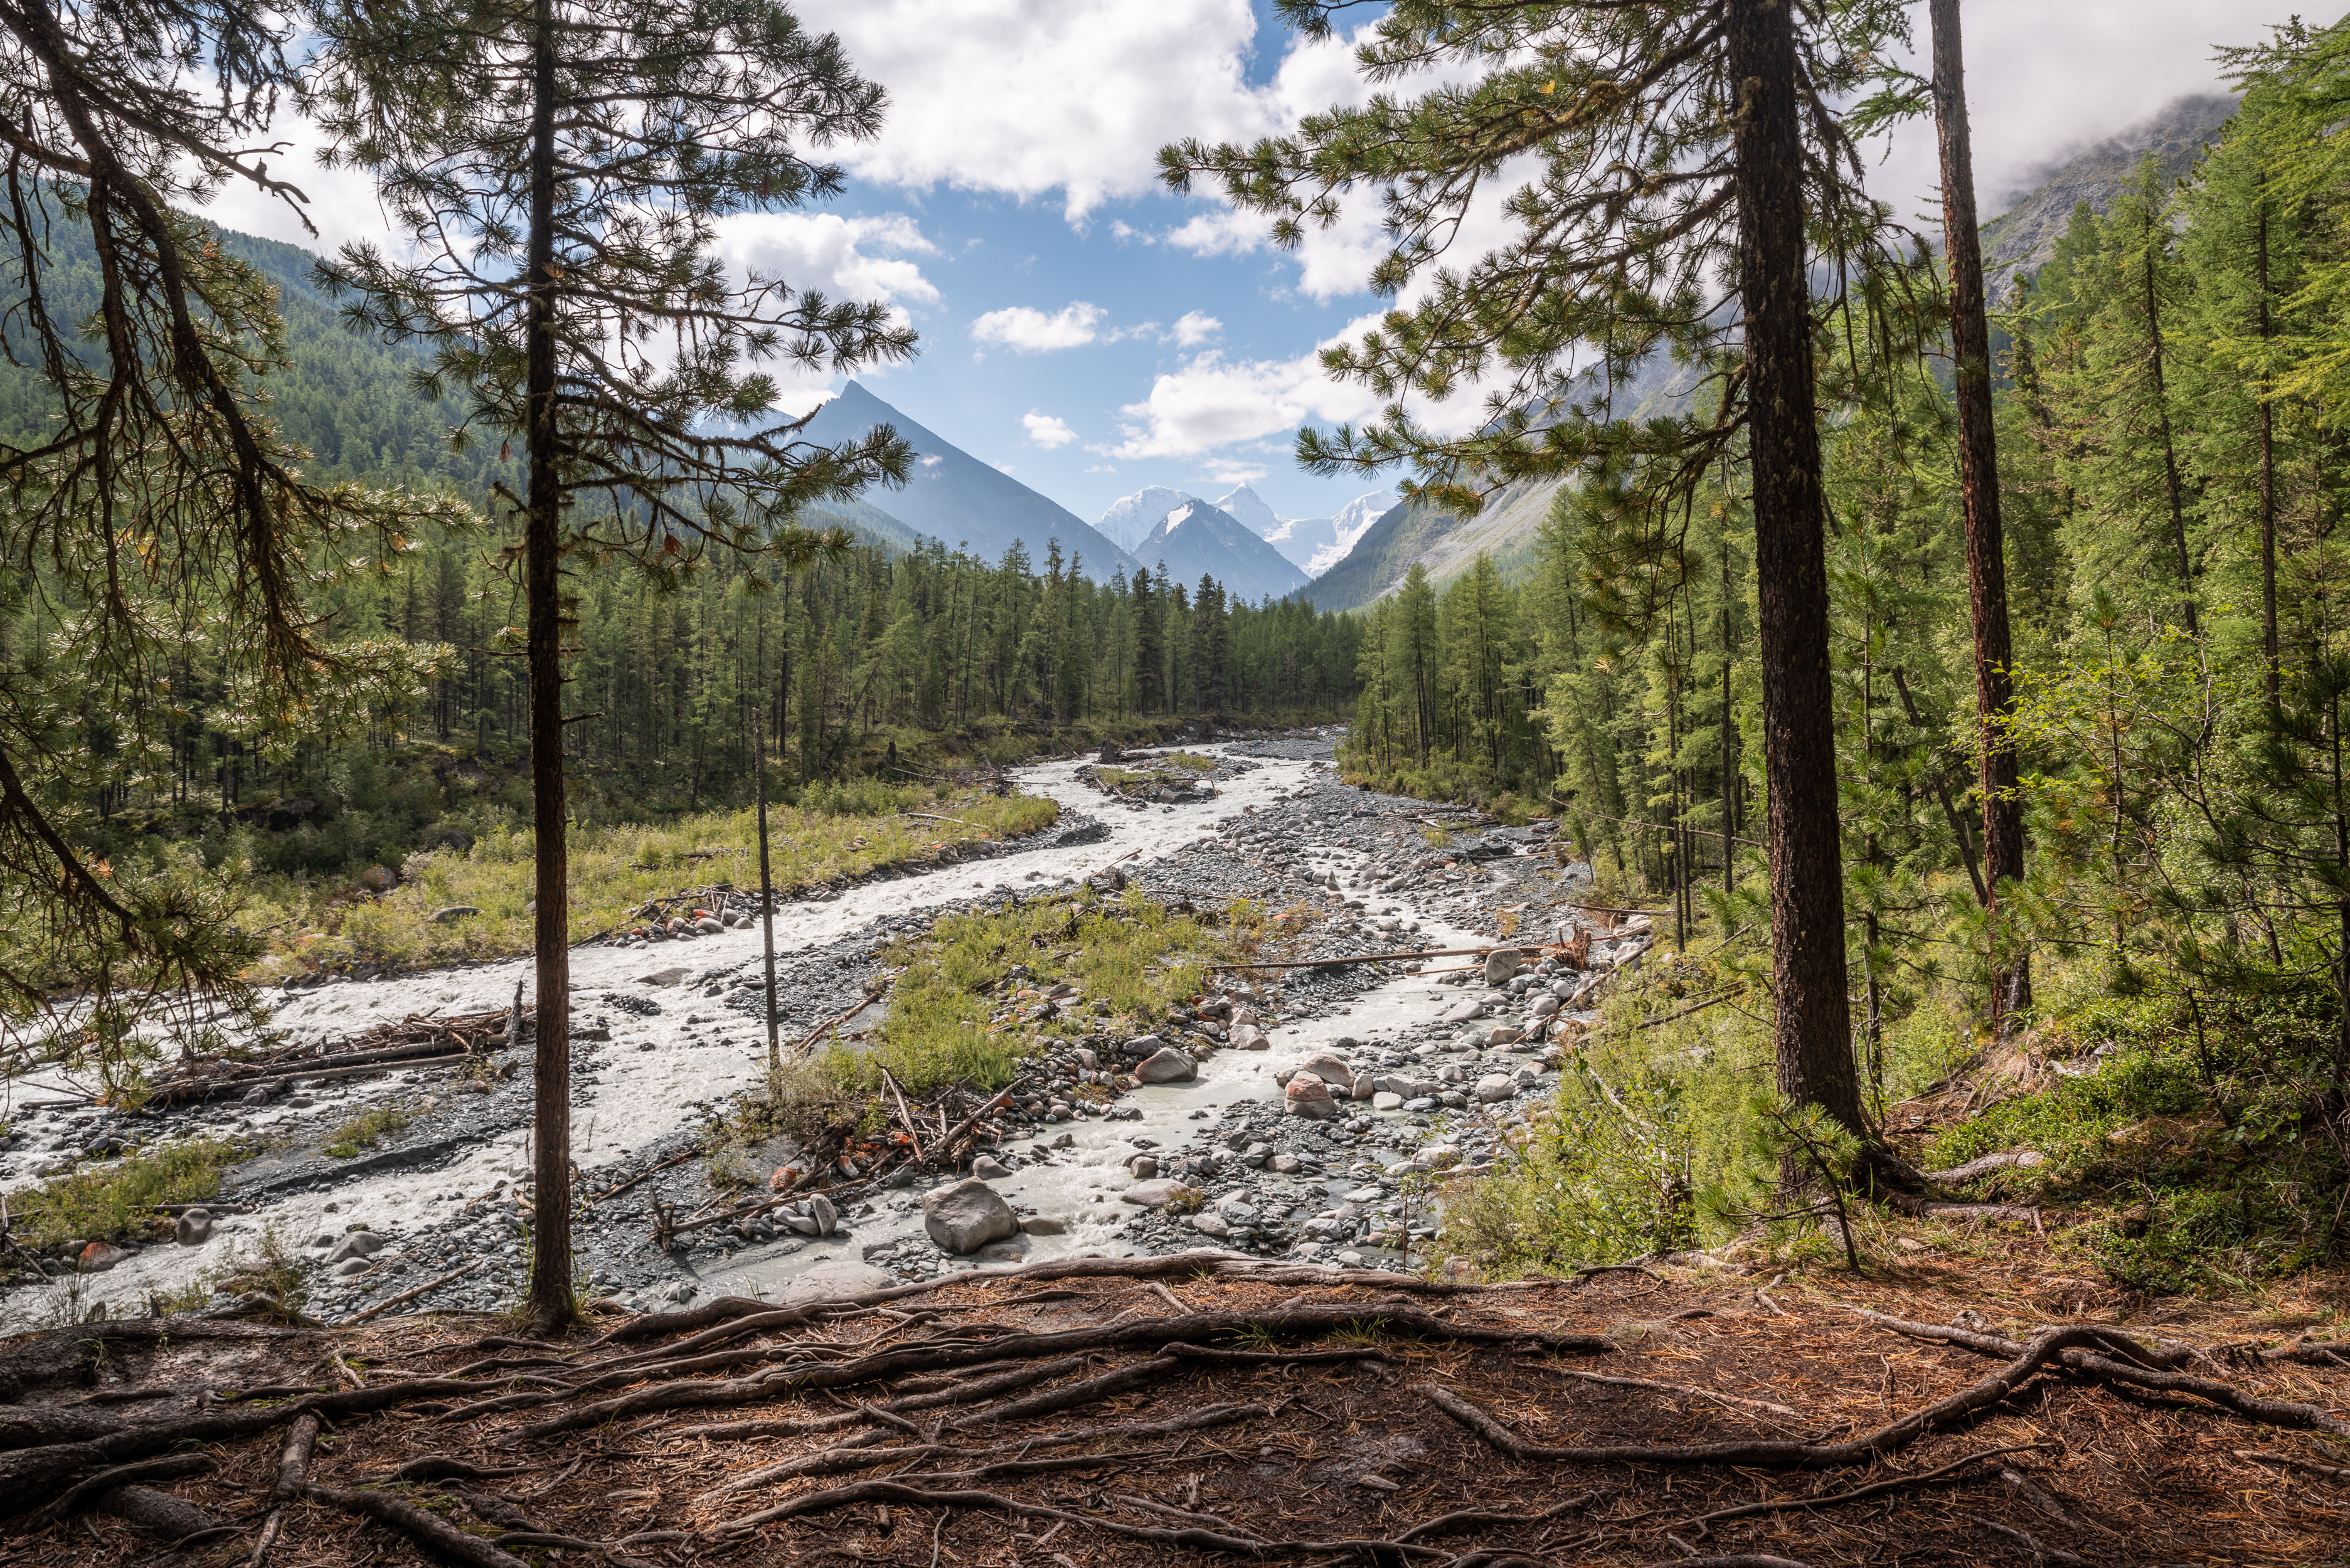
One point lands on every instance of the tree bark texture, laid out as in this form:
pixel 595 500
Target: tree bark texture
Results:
pixel 1813 1031
pixel 2003 805
pixel 550 1263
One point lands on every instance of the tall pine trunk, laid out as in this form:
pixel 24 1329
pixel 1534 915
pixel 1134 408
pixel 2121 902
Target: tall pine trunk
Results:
pixel 550 1261
pixel 2265 412
pixel 2173 487
pixel 1813 1031
pixel 2002 805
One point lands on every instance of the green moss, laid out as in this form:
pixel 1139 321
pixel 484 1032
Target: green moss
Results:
pixel 2189 1184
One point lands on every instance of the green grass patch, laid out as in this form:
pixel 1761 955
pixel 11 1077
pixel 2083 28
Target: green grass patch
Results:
pixel 113 1203
pixel 836 831
pixel 969 999
pixel 364 1131
pixel 1191 760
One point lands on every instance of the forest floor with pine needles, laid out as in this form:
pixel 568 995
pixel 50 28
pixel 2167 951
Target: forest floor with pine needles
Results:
pixel 1171 1410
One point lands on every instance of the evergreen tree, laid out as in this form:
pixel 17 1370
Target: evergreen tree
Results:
pixel 151 497
pixel 560 168
pixel 1979 486
pixel 1671 143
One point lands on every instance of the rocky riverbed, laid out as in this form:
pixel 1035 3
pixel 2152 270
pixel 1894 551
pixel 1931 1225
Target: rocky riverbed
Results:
pixel 1318 1104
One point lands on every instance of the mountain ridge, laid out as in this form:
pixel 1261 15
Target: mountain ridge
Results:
pixel 954 497
pixel 1199 540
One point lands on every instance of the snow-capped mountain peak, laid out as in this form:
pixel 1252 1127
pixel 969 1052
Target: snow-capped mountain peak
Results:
pixel 1247 508
pixel 1131 519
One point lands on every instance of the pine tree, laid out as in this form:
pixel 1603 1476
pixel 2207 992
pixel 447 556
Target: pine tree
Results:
pixel 560 168
pixel 1979 487
pixel 1671 143
pixel 150 489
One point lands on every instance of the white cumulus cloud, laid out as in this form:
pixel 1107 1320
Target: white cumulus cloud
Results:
pixel 1194 328
pixel 846 258
pixel 1046 430
pixel 1211 402
pixel 1101 85
pixel 1025 328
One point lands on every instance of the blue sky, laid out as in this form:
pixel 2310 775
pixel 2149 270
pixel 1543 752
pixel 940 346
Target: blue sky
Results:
pixel 1092 334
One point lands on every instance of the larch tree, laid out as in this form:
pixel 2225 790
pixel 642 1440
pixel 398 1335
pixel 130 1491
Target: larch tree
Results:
pixel 561 168
pixel 1643 159
pixel 160 509
pixel 1979 495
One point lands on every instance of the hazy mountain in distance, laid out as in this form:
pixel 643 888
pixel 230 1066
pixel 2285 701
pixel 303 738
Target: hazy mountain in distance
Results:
pixel 1130 518
pixel 2019 240
pixel 1314 545
pixel 955 498
pixel 1197 540
pixel 2023 237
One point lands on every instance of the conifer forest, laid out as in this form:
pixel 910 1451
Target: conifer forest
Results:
pixel 559 874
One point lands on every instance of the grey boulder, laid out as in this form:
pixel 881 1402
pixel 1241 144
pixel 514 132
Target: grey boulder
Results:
pixel 1332 1070
pixel 1155 1193
pixel 1308 1097
pixel 1167 1065
pixel 193 1228
pixel 967 1216
pixel 815 1216
pixel 1502 963
pixel 356 1244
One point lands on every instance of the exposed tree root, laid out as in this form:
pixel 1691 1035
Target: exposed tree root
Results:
pixel 426 1530
pixel 294 1459
pixel 1685 1389
pixel 959 1394
pixel 2144 1369
pixel 928 1356
pixel 174 1518
pixel 1892 1436
pixel 1858 1493
pixel 2295 1461
pixel 26 1471
pixel 940 1404
pixel 1221 1265
pixel 1483 1518
pixel 1200 1539
pixel 86 1493
pixel 865 1452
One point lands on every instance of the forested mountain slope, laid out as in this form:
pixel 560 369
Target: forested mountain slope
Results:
pixel 2021 239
